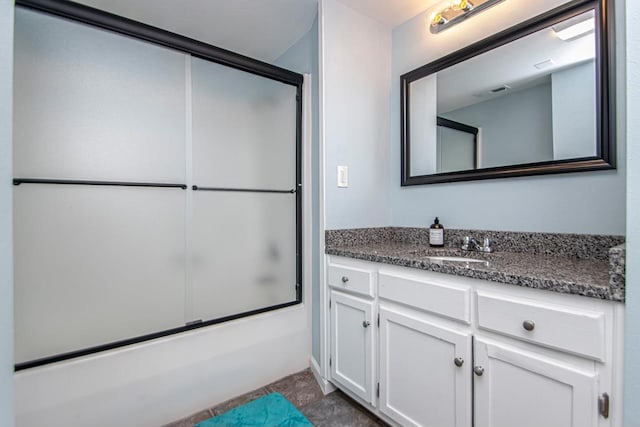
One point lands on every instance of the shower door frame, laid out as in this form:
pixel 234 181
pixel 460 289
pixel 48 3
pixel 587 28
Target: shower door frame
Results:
pixel 140 31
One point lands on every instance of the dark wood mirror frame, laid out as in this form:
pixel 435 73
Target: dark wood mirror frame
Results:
pixel 605 157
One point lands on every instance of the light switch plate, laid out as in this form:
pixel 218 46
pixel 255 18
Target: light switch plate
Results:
pixel 343 176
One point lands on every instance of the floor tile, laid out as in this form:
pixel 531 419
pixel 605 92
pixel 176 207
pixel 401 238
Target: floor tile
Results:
pixel 301 388
pixel 240 400
pixel 337 410
pixel 193 419
pixel 333 410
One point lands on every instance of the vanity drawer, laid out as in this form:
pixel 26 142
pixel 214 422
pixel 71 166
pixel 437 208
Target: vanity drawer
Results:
pixel 351 279
pixel 564 328
pixel 427 295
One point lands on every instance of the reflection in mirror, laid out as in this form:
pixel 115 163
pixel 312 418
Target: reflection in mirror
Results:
pixel 530 101
pixel 539 105
pixel 457 148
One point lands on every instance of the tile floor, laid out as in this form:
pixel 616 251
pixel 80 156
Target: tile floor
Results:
pixel 301 389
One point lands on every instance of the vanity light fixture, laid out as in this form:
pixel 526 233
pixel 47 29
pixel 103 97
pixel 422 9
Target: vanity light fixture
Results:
pixel 457 12
pixel 576 30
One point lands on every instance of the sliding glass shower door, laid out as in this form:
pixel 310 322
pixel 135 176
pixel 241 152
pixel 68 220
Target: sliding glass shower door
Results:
pixel 155 191
pixel 244 209
pixel 100 263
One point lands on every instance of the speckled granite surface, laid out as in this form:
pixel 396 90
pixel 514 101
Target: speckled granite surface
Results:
pixel 585 265
pixel 617 256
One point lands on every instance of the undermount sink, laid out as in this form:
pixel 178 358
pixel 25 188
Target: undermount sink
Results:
pixel 455 259
pixel 449 255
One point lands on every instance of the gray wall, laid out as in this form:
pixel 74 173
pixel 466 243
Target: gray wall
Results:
pixel 6 261
pixel 303 58
pixel 588 202
pixel 574 111
pixel 516 127
pixel 632 339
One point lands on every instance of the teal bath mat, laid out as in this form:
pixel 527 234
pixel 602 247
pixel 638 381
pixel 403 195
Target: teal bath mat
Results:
pixel 272 410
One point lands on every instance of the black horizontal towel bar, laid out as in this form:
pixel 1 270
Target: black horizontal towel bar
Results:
pixel 18 181
pixel 242 190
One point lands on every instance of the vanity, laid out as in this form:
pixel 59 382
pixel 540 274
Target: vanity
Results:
pixel 530 335
pixel 428 337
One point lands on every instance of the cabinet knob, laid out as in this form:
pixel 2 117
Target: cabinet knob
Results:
pixel 478 370
pixel 459 361
pixel 365 324
pixel 528 325
pixel 345 279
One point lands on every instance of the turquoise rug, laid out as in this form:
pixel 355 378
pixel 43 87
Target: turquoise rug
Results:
pixel 272 410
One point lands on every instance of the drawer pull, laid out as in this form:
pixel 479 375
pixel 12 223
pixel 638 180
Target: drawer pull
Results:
pixel 458 361
pixel 365 324
pixel 529 325
pixel 345 279
pixel 478 370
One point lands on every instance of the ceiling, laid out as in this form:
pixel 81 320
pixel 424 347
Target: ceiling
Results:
pixel 390 12
pixel 513 64
pixel 262 29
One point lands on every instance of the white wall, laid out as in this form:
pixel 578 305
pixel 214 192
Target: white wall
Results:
pixel 632 365
pixel 355 67
pixel 6 209
pixel 580 203
pixel 424 130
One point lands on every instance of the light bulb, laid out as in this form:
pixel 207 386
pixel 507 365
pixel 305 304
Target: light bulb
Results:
pixel 465 5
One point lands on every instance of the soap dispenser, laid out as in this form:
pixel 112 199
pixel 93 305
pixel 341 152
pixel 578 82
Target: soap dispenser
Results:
pixel 436 234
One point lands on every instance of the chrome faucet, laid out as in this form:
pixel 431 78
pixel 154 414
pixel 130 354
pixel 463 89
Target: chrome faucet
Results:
pixel 471 244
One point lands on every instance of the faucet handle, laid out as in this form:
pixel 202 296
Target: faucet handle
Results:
pixel 465 243
pixel 486 246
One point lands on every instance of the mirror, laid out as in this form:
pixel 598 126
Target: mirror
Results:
pixel 534 99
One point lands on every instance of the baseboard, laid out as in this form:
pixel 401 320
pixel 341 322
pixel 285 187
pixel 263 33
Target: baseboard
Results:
pixel 325 385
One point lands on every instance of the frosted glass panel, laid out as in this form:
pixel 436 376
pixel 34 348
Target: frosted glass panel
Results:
pixel 90 104
pixel 244 252
pixel 244 129
pixel 94 265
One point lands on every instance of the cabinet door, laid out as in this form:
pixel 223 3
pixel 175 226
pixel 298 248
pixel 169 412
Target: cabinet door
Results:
pixel 421 383
pixel 517 388
pixel 352 344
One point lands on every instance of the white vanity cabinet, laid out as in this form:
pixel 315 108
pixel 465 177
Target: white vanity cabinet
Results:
pixel 352 329
pixel 448 351
pixel 352 344
pixel 513 387
pixel 424 380
pixel 514 384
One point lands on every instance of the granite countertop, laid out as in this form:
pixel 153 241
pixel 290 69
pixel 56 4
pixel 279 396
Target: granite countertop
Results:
pixel 601 277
